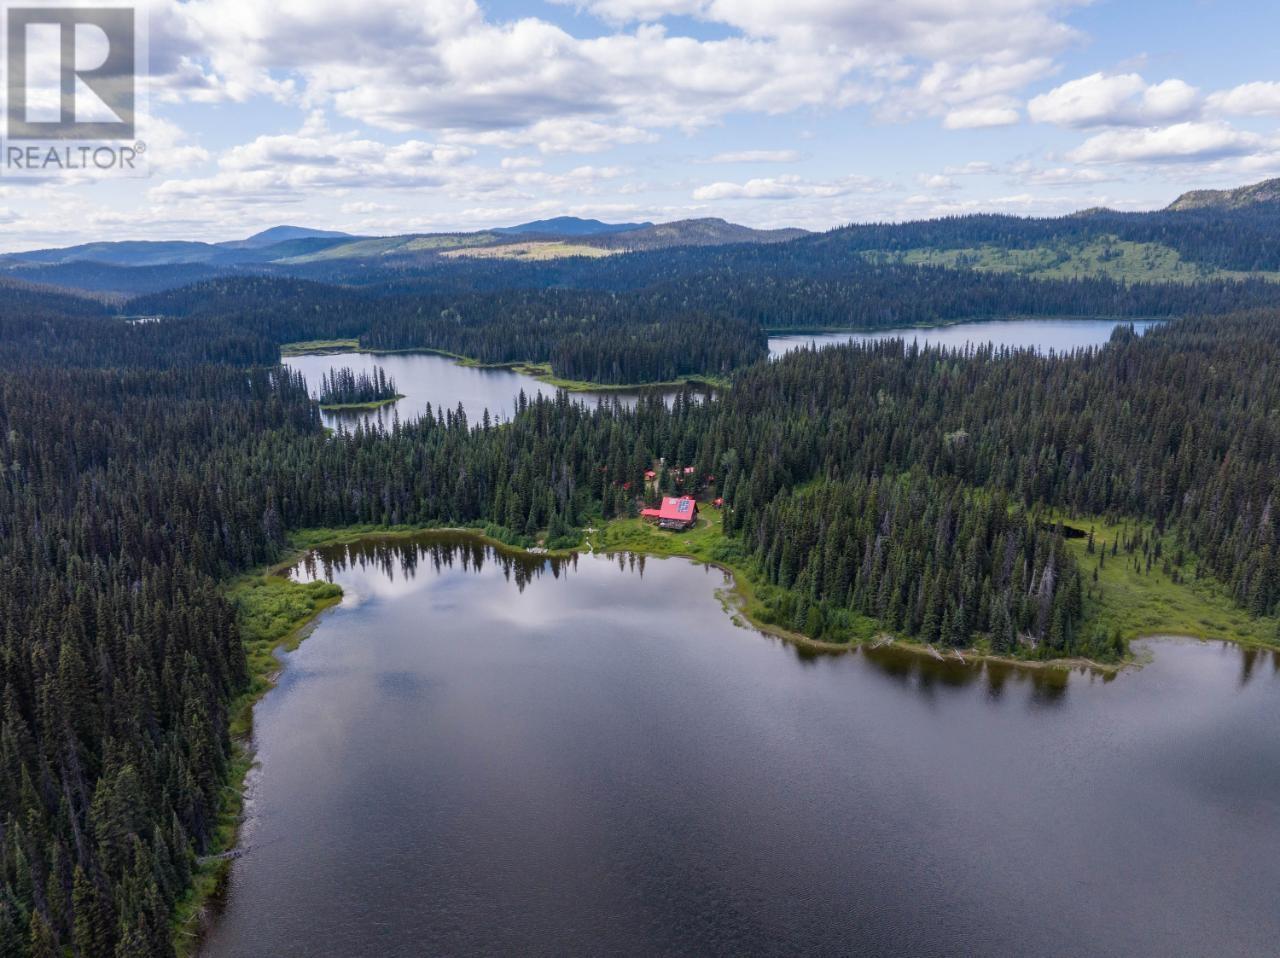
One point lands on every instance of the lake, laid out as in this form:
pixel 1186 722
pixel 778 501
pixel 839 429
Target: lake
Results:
pixel 1060 335
pixel 477 754
pixel 429 379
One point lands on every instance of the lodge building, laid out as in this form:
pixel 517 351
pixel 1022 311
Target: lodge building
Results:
pixel 675 513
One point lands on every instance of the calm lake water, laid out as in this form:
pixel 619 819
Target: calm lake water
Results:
pixel 475 755
pixel 426 379
pixel 1060 335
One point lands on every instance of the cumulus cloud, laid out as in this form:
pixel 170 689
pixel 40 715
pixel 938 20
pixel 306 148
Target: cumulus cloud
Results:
pixel 317 161
pixel 1115 100
pixel 1180 142
pixel 288 166
pixel 449 68
pixel 928 29
pixel 1248 99
pixel 782 188
pixel 979 117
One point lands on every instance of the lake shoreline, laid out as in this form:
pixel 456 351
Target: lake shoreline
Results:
pixel 950 323
pixel 357 406
pixel 737 596
pixel 541 371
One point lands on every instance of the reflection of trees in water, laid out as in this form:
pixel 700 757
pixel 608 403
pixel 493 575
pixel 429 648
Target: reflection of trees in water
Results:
pixel 1048 686
pixel 930 676
pixel 1251 658
pixel 439 551
pixel 923 673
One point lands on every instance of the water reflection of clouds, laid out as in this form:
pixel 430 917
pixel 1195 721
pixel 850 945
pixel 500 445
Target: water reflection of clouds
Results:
pixel 1043 335
pixel 432 384
pixel 387 570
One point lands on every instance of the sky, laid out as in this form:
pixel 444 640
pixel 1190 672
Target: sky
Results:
pixel 399 116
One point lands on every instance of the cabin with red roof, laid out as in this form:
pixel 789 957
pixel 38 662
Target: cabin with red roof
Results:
pixel 675 513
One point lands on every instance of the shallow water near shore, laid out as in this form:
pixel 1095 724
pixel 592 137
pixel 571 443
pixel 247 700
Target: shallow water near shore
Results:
pixel 479 753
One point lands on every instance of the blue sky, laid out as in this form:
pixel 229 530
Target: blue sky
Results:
pixel 393 116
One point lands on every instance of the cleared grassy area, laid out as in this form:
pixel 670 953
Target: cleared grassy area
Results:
pixel 1114 258
pixel 531 250
pixel 380 246
pixel 320 347
pixel 1166 598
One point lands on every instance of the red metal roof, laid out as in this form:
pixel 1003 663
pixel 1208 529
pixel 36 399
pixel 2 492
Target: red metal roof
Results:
pixel 680 509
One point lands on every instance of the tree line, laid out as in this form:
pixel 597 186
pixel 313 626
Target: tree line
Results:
pixel 346 387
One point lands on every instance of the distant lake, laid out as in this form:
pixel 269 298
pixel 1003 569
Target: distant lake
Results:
pixel 429 379
pixel 1060 335
pixel 484 755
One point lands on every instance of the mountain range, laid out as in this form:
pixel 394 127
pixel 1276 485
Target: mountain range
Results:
pixel 1202 235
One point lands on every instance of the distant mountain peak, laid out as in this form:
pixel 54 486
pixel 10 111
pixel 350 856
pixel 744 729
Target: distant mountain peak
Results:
pixel 282 234
pixel 707 231
pixel 1268 191
pixel 571 226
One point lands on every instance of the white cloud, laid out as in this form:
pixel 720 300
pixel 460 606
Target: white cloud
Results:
pixel 1248 99
pixel 972 168
pixel 782 188
pixel 1180 142
pixel 936 181
pixel 288 166
pixel 365 208
pixel 979 117
pixel 559 135
pixel 1060 175
pixel 927 29
pixel 1115 100
pixel 756 156
pixel 446 67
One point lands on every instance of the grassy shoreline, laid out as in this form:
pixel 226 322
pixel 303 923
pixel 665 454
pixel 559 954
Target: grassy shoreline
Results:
pixel 351 406
pixel 1143 601
pixel 297 608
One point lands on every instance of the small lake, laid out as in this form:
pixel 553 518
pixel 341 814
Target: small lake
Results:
pixel 1059 335
pixel 478 755
pixel 429 379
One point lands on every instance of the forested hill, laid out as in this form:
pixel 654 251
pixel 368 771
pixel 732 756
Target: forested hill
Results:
pixel 650 317
pixel 1204 232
